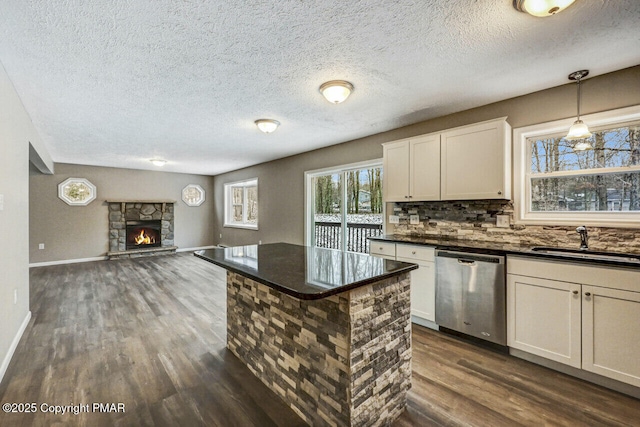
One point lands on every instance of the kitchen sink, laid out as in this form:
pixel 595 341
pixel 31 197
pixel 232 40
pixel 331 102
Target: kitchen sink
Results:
pixel 587 254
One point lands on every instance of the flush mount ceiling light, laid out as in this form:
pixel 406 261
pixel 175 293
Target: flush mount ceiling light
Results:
pixel 336 91
pixel 267 125
pixel 542 8
pixel 579 129
pixel 158 162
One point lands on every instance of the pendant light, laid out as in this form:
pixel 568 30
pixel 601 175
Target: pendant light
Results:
pixel 267 125
pixel 336 91
pixel 579 129
pixel 541 8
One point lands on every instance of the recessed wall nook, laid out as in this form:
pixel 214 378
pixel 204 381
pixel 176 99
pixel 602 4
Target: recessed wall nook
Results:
pixel 141 228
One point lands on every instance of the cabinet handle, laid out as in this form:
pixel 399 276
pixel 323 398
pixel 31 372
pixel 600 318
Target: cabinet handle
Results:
pixel 406 197
pixel 575 292
pixel 413 252
pixel 587 294
pixel 499 192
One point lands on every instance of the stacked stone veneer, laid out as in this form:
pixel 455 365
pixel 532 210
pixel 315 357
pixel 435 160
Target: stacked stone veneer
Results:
pixel 476 220
pixel 121 212
pixel 344 360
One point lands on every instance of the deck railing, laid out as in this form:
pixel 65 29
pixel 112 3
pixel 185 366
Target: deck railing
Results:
pixel 329 235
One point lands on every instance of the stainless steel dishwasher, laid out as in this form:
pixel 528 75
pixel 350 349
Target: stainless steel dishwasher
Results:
pixel 471 294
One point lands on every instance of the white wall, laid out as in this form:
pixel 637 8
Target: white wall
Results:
pixel 16 133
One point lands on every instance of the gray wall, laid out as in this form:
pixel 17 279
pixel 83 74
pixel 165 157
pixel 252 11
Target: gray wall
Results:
pixel 281 182
pixel 16 134
pixel 79 232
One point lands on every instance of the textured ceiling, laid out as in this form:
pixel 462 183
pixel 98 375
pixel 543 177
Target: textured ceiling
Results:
pixel 116 82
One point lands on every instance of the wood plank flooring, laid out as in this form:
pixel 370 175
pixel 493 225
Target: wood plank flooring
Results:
pixel 150 333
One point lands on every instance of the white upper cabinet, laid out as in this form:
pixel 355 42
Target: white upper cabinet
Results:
pixel 424 167
pixel 412 169
pixel 396 171
pixel 476 161
pixel 466 163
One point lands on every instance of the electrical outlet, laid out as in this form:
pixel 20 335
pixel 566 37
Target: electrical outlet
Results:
pixel 414 219
pixel 221 235
pixel 259 242
pixel 394 219
pixel 502 221
pixel 15 296
pixel 41 246
pixel 1 202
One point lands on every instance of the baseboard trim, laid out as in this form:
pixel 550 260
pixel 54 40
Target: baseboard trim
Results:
pixel 196 249
pixel 102 258
pixel 67 261
pixel 14 345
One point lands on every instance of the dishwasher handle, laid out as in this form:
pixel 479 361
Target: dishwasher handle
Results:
pixel 469 257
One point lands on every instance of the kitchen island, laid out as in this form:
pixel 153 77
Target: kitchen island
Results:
pixel 326 330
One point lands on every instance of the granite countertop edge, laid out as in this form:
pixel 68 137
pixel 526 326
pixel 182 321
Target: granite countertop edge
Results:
pixel 497 248
pixel 303 295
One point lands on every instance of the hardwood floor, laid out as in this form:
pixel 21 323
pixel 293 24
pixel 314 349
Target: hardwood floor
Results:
pixel 150 333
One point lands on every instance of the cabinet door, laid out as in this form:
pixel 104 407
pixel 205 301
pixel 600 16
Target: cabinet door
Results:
pixel 424 158
pixel 476 162
pixel 423 280
pixel 611 333
pixel 396 171
pixel 423 291
pixel 543 318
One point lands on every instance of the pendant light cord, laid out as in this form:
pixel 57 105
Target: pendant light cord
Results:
pixel 579 97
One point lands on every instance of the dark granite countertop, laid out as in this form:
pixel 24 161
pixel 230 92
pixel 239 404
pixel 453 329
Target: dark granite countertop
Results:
pixel 302 271
pixel 497 248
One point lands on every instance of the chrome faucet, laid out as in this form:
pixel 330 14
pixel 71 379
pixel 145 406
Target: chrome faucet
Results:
pixel 582 231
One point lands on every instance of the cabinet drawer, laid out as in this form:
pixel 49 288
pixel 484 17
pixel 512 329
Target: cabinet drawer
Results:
pixel 414 252
pixel 382 248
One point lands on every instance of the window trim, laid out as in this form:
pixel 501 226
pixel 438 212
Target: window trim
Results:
pixel 227 204
pixel 522 181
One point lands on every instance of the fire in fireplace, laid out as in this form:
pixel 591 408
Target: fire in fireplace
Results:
pixel 143 234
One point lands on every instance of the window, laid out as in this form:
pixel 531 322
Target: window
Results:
pixel 557 183
pixel 241 204
pixel 344 206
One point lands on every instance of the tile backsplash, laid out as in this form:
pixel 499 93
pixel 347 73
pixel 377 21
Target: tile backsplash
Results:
pixel 476 220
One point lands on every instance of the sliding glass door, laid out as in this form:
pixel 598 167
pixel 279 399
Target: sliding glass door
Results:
pixel 344 206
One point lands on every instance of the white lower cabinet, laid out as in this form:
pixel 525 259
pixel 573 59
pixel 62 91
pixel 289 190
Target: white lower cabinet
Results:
pixel 584 316
pixel 544 318
pixel 423 280
pixel 611 333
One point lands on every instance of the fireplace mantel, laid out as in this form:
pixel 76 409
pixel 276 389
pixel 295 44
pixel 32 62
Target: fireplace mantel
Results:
pixel 141 201
pixel 123 203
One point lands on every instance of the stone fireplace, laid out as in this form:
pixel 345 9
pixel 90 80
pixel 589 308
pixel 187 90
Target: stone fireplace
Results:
pixel 140 228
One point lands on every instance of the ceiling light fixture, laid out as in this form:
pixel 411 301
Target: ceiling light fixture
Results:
pixel 158 162
pixel 579 130
pixel 336 91
pixel 541 8
pixel 267 125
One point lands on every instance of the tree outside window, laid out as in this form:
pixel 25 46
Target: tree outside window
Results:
pixel 558 182
pixel 241 204
pixel 605 177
